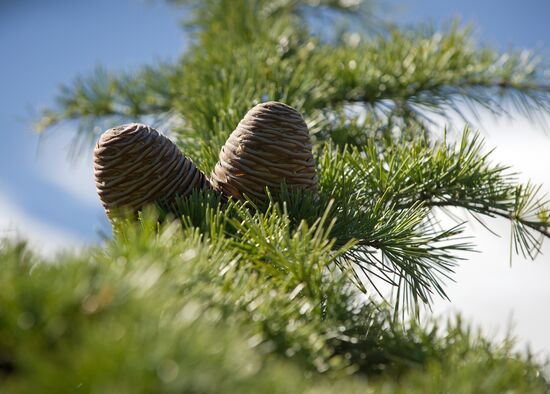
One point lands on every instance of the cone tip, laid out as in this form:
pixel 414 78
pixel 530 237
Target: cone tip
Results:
pixel 273 105
pixel 117 132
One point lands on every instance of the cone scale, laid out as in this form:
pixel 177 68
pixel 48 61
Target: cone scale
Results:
pixel 270 146
pixel 135 165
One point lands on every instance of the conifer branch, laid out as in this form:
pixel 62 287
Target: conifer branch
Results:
pixel 383 192
pixel 453 176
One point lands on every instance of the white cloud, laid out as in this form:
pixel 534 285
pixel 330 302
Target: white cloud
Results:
pixel 42 237
pixel 488 291
pixel 72 175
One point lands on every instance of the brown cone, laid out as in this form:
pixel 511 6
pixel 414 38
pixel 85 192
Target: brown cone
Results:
pixel 270 146
pixel 134 165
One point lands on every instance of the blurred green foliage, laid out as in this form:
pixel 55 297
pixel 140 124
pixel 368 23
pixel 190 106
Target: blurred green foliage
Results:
pixel 157 313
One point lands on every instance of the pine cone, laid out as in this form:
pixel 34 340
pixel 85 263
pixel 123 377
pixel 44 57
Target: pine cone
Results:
pixel 270 146
pixel 135 165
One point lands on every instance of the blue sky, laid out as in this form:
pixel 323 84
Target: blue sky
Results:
pixel 52 202
pixel 44 44
pixel 501 23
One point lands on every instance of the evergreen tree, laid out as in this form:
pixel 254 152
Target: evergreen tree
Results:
pixel 233 297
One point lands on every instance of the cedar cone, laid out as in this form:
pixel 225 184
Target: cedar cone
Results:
pixel 135 165
pixel 270 146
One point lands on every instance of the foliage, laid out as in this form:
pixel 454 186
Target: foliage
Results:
pixel 232 297
pixel 156 313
